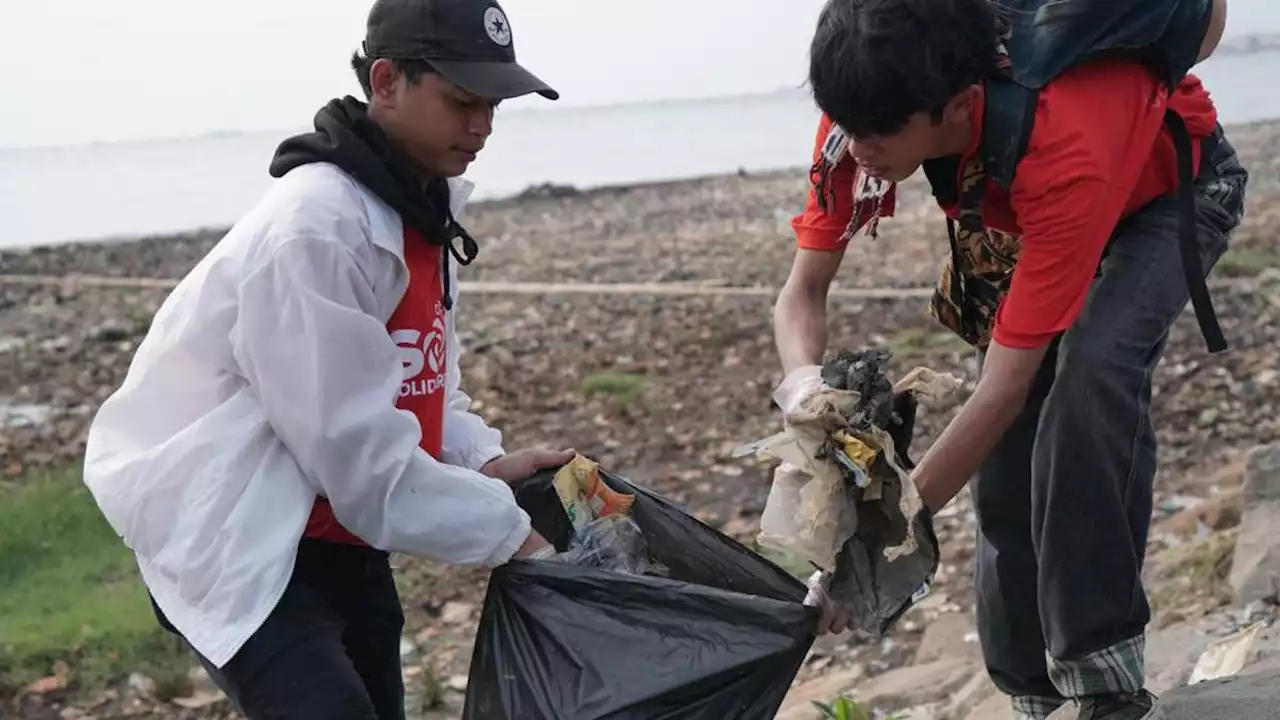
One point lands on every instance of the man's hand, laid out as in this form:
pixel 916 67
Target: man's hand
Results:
pixel 535 547
pixel 519 465
pixel 796 387
pixel 835 618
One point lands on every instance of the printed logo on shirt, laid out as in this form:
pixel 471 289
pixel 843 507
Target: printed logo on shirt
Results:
pixel 434 346
pixel 422 355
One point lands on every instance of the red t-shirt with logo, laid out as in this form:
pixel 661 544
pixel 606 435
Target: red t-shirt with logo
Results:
pixel 418 328
pixel 1098 152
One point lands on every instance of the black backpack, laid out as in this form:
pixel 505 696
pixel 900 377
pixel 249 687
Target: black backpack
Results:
pixel 1043 38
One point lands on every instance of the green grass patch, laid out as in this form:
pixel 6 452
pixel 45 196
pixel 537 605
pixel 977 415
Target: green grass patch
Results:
pixel 916 343
pixel 1238 262
pixel 69 591
pixel 1192 579
pixel 625 388
pixel 844 708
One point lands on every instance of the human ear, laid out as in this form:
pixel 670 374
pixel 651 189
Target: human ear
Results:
pixel 384 80
pixel 962 104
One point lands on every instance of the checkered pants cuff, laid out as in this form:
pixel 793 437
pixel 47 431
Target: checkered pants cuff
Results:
pixel 1034 707
pixel 1117 669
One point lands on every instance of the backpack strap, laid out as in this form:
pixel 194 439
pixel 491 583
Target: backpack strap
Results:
pixel 1009 114
pixel 1009 118
pixel 1188 243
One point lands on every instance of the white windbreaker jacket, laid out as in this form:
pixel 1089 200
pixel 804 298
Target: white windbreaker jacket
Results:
pixel 267 378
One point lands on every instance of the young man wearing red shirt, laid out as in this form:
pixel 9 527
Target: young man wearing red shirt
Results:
pixel 295 412
pixel 1058 431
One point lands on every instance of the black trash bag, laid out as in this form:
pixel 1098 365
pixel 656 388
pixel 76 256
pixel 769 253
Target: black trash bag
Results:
pixel 721 636
pixel 880 591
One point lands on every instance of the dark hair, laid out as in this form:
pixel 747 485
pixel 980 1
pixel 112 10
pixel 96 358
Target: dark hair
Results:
pixel 412 69
pixel 875 63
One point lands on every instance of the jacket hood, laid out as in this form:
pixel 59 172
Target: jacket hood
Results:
pixel 345 136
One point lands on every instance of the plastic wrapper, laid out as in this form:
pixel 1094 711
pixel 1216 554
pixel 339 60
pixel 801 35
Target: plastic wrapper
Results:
pixel 721 635
pixel 601 531
pixel 614 543
pixel 584 495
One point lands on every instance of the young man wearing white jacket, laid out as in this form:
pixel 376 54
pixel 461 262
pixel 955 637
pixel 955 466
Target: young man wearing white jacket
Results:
pixel 295 412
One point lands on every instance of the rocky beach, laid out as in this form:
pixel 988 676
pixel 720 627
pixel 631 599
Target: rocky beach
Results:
pixel 661 379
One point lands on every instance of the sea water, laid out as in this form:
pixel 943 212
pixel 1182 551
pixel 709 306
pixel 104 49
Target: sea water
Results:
pixel 59 194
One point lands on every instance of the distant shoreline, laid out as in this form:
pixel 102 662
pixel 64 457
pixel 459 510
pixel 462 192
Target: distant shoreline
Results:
pixel 545 192
pixel 538 192
pixel 1252 44
pixel 305 126
pixel 1248 44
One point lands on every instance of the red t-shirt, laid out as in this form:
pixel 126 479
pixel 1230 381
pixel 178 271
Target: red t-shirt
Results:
pixel 1099 151
pixel 417 327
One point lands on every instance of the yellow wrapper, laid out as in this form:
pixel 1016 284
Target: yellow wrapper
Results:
pixel 585 497
pixel 858 451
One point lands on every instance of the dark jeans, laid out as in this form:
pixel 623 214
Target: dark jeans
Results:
pixel 331 647
pixel 1064 503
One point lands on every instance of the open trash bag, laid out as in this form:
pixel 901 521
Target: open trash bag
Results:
pixel 645 613
pixel 844 500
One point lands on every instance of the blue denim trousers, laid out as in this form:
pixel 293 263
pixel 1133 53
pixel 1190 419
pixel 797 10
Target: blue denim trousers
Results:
pixel 1064 502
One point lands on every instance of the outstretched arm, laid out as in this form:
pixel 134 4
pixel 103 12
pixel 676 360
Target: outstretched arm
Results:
pixel 1079 172
pixel 800 315
pixel 822 231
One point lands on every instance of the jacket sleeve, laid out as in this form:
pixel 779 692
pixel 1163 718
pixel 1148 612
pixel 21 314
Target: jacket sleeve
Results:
pixel 468 440
pixel 327 374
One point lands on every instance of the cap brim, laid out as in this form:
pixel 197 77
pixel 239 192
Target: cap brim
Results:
pixel 493 79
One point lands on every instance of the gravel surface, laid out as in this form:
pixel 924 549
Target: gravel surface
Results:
pixel 660 389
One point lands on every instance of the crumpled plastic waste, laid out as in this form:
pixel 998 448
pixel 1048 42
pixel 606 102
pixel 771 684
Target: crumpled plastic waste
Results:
pixel 843 499
pixel 603 534
pixel 611 543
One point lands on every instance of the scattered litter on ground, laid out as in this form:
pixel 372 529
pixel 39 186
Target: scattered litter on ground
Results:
pixel 1226 657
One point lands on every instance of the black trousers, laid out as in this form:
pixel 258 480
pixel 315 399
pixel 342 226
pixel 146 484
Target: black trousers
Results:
pixel 1064 502
pixel 331 647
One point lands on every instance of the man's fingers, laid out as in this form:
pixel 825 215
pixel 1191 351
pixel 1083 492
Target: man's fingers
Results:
pixel 826 619
pixel 843 621
pixel 552 458
pixel 536 459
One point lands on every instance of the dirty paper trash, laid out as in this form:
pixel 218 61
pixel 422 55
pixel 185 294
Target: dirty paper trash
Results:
pixel 843 499
pixel 1226 657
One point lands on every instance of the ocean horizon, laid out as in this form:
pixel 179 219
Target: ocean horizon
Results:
pixel 119 190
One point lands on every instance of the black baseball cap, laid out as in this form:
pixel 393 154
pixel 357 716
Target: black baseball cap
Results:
pixel 469 42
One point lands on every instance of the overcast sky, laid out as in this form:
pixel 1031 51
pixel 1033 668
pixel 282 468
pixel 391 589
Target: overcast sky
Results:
pixel 102 70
